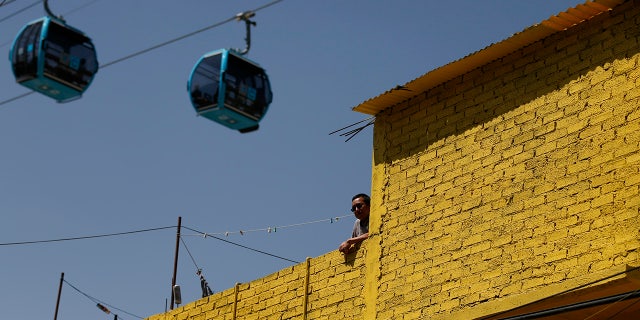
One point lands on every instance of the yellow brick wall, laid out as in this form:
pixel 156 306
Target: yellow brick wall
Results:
pixel 335 284
pixel 516 176
pixel 519 178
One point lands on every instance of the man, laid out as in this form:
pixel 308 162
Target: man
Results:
pixel 360 205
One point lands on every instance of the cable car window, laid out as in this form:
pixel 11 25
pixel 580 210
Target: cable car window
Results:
pixel 204 83
pixel 69 57
pixel 246 90
pixel 25 53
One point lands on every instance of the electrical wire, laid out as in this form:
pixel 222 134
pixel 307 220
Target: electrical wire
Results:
pixel 204 285
pixel 135 54
pixel 272 229
pixel 215 25
pixel 35 4
pixel 18 11
pixel 17 97
pixel 11 16
pixel 239 245
pixel 96 301
pixel 85 237
pixel 79 7
pixel 5 2
pixel 190 255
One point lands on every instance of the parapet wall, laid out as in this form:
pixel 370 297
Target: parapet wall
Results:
pixel 325 287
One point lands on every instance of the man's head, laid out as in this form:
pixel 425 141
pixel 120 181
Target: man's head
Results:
pixel 360 205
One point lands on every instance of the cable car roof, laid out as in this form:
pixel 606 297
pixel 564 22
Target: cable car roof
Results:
pixel 433 78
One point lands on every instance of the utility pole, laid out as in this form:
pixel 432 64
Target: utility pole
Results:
pixel 55 316
pixel 175 261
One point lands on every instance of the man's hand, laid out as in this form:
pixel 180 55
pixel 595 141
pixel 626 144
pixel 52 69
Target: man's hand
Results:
pixel 347 245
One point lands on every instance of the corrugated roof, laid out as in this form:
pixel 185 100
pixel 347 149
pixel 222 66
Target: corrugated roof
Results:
pixel 560 22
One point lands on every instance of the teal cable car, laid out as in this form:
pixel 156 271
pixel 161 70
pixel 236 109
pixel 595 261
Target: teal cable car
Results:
pixel 50 57
pixel 230 89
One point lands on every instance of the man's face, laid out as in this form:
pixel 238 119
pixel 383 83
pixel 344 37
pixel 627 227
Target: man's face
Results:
pixel 360 208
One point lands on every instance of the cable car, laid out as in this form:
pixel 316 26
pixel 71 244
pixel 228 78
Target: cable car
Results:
pixel 230 89
pixel 50 57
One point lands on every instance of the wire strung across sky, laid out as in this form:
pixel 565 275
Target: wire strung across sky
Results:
pixel 239 245
pixel 84 237
pixel 21 10
pixel 204 285
pixel 189 252
pixel 199 233
pixel 99 302
pixel 18 11
pixel 135 54
pixel 270 229
pixel 5 2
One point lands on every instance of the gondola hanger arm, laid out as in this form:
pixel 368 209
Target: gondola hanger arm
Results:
pixel 245 16
pixel 48 11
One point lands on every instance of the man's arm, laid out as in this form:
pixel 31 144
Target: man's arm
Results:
pixel 348 244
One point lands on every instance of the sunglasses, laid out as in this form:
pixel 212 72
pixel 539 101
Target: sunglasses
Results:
pixel 357 206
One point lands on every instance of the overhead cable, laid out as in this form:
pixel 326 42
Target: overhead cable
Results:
pixel 204 285
pixel 35 4
pixel 190 255
pixel 217 24
pixel 100 303
pixel 4 2
pixel 79 7
pixel 206 235
pixel 135 54
pixel 8 42
pixel 19 10
pixel 84 237
pixel 273 228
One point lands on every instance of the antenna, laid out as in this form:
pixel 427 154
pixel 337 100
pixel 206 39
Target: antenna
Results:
pixel 352 133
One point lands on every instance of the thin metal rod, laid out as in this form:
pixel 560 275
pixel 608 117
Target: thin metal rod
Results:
pixel 55 316
pixel 305 308
pixel 244 16
pixel 236 289
pixel 353 124
pixel 48 11
pixel 175 261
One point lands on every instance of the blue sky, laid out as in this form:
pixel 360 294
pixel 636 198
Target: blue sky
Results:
pixel 132 154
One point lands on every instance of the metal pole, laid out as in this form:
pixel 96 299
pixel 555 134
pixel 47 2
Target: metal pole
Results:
pixel 305 308
pixel 175 261
pixel 55 316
